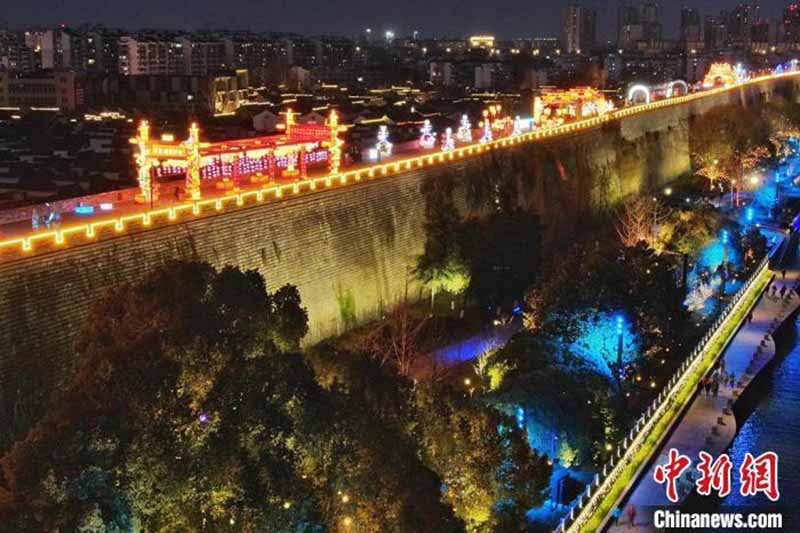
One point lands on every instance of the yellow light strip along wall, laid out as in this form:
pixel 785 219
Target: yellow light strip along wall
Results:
pixel 89 231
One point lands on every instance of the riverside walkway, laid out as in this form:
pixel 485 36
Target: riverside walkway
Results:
pixel 708 423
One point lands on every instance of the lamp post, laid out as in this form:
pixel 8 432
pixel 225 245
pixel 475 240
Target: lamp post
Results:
pixel 724 272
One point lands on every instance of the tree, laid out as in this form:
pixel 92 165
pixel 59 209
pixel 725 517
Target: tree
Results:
pixel 481 456
pixel 686 231
pixel 638 221
pixel 487 471
pixel 184 413
pixel 400 339
pixel 441 265
pixel 728 140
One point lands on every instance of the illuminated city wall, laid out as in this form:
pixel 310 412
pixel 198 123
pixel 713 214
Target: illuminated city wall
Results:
pixel 355 243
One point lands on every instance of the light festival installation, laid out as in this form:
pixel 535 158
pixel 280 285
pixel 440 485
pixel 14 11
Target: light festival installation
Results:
pixel 285 155
pixel 144 164
pixel 335 144
pixel 637 90
pixel 448 142
pixel 517 128
pixel 383 148
pixel 151 168
pixel 671 87
pixel 719 74
pixel 487 129
pixel 741 72
pixel 193 163
pixel 464 133
pixel 427 139
pixel 554 107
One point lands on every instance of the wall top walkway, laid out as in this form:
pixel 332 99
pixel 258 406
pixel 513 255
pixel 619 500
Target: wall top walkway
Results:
pixel 20 241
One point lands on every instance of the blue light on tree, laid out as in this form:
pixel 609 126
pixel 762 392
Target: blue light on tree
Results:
pixel 603 337
pixel 520 417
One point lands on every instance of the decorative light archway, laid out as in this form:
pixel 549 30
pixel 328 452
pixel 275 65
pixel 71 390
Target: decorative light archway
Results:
pixel 671 87
pixel 637 89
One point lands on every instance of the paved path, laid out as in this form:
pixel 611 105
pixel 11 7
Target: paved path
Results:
pixel 704 413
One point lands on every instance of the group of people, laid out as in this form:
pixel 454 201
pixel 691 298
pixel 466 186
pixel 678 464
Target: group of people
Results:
pixel 48 217
pixel 710 384
pixel 784 292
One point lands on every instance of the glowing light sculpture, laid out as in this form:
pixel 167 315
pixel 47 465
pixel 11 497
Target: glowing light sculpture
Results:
pixel 448 142
pixel 192 147
pixel 427 139
pixel 719 73
pixel 464 133
pixel 335 143
pixel 487 129
pixel 517 128
pixel 148 193
pixel 639 89
pixel 671 87
pixel 383 147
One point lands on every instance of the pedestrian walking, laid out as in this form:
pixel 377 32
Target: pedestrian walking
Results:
pixel 617 513
pixel 783 292
pixel 715 388
pixel 750 317
pixel 700 388
pixel 733 380
pixel 631 516
pixel 783 274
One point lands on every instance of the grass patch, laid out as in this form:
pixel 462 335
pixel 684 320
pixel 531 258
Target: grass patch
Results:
pixel 628 475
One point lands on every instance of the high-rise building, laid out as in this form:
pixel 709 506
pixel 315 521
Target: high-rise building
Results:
pixel 56 48
pixel 691 29
pixel 638 24
pixel 580 29
pixel 60 89
pixel 715 31
pixel 791 26
pixel 150 55
pixel 740 23
pixel 203 54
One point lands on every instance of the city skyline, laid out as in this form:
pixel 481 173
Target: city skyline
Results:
pixel 380 16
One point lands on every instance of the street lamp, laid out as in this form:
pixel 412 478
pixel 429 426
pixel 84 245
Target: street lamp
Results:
pixel 724 272
pixel 724 247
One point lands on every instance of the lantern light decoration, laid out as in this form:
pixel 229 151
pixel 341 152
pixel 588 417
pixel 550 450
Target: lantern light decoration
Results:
pixel 427 139
pixel 464 133
pixel 192 147
pixel 448 142
pixel 144 164
pixel 639 89
pixel 334 144
pixel 383 147
pixel 554 107
pixel 517 127
pixel 741 73
pixel 487 129
pixel 720 73
pixel 290 121
pixel 675 83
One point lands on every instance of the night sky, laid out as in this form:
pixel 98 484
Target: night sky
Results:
pixel 504 18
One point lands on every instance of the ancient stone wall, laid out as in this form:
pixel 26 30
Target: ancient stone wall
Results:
pixel 350 250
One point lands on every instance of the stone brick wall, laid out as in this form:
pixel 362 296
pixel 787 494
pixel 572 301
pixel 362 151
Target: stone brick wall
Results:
pixel 357 243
